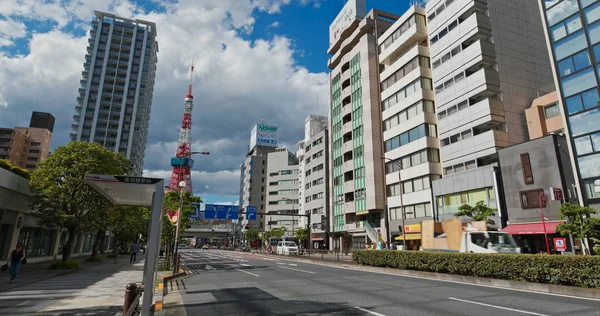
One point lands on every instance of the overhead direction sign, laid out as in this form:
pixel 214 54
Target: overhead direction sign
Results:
pixel 217 211
pixel 251 213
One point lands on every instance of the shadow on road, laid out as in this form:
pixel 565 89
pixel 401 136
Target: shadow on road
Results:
pixel 254 301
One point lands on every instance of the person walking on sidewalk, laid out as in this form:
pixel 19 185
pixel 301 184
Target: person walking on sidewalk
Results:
pixel 15 258
pixel 116 251
pixel 133 249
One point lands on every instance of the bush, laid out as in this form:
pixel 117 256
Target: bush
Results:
pixel 581 271
pixel 110 255
pixel 67 265
pixel 94 259
pixel 14 169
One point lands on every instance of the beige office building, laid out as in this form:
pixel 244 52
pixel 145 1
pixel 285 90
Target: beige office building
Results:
pixel 26 146
pixel 357 175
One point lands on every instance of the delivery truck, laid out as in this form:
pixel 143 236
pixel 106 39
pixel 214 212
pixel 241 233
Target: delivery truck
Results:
pixel 453 235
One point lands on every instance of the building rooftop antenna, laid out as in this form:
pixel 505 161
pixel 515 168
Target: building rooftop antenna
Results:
pixel 189 94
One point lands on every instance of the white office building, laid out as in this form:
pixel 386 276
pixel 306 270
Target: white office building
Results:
pixel 488 59
pixel 115 96
pixel 409 120
pixel 313 156
pixel 282 191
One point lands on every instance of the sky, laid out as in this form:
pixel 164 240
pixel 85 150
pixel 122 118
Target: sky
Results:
pixel 254 60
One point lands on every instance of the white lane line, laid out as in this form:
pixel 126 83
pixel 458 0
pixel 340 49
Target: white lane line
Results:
pixel 246 265
pixel 256 275
pixel 498 307
pixel 298 270
pixel 293 264
pixel 368 311
pixel 279 262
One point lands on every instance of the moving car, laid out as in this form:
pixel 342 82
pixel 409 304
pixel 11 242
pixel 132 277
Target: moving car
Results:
pixel 287 248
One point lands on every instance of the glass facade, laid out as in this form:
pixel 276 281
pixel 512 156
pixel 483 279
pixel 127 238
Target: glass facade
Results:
pixel 574 34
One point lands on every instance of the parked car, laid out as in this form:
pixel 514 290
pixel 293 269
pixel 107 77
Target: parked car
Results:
pixel 287 248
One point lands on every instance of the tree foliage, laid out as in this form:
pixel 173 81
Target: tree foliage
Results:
pixel 479 213
pixel 578 223
pixel 252 234
pixel 126 222
pixel 302 234
pixel 60 197
pixel 172 204
pixel 277 232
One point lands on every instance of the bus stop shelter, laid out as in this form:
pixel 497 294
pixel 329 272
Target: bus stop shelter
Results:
pixel 137 191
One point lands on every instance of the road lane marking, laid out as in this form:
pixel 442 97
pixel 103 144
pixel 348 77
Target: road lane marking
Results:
pixel 279 262
pixel 293 264
pixel 496 306
pixel 209 268
pixel 256 275
pixel 368 311
pixel 298 270
pixel 246 265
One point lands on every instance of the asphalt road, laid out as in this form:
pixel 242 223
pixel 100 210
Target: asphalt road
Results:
pixel 235 283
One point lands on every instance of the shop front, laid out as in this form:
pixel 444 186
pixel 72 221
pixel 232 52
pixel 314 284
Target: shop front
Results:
pixel 531 237
pixel 412 235
pixel 318 241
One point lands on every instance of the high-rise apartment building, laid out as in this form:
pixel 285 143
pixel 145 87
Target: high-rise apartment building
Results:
pixel 282 191
pixel 357 175
pixel 572 31
pixel 313 155
pixel 409 120
pixel 488 61
pixel 115 96
pixel 26 146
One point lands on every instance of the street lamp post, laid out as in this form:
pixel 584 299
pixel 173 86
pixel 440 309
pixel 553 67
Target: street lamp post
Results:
pixel 182 185
pixel 543 198
pixel 399 164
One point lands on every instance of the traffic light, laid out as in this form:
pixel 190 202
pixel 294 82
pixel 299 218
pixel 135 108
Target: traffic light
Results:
pixel 323 222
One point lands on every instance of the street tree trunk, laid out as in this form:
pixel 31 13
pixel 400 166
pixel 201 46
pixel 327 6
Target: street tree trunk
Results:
pixel 99 241
pixel 68 248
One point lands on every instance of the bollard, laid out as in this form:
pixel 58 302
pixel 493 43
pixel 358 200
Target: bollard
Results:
pixel 130 294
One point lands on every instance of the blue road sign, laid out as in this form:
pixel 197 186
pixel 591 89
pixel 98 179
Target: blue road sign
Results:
pixel 196 213
pixel 251 213
pixel 216 211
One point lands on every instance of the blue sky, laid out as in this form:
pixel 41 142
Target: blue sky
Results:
pixel 275 57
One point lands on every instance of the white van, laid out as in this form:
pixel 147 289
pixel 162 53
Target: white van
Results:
pixel 287 248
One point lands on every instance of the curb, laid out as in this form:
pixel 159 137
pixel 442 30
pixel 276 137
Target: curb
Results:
pixel 589 293
pixel 162 289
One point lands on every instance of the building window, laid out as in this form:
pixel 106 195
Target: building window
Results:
pixel 526 167
pixel 530 198
pixel 551 110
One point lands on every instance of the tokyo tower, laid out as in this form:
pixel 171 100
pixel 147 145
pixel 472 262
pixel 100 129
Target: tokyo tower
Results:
pixel 182 162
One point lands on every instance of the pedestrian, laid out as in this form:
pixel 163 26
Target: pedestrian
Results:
pixel 133 249
pixel 15 258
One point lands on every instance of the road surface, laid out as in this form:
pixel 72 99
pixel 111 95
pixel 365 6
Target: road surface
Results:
pixel 234 283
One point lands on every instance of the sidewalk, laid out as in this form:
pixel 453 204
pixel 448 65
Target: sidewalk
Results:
pixel 97 289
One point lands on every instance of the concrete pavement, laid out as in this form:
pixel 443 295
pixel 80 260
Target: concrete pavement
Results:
pixel 233 283
pixel 95 290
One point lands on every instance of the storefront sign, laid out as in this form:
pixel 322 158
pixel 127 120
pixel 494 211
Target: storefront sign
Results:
pixel 560 244
pixel 413 228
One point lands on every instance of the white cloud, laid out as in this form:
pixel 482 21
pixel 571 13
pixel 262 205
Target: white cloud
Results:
pixel 237 81
pixel 274 25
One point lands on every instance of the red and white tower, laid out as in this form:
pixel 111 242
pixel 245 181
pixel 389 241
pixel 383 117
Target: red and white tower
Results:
pixel 182 162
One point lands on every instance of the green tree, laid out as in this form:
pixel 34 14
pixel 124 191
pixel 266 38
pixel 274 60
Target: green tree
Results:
pixel 252 234
pixel 172 204
pixel 302 234
pixel 578 223
pixel 479 213
pixel 277 232
pixel 60 197
pixel 126 222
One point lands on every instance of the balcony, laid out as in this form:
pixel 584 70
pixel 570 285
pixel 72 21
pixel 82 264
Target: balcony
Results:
pixel 414 35
pixel 481 145
pixel 404 59
pixel 477 23
pixel 478 53
pixel 459 7
pixel 347 146
pixel 347 127
pixel 483 82
pixel 487 110
pixel 349 186
pixel 341 48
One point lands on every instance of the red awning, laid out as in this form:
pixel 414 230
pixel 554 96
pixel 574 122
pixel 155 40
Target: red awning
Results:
pixel 531 228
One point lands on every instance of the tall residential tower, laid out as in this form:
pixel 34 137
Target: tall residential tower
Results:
pixel 115 96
